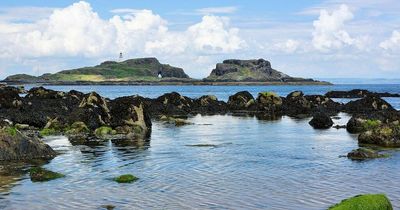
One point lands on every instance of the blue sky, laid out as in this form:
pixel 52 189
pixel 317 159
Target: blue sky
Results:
pixel 330 38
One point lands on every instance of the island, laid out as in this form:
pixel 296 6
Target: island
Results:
pixel 149 71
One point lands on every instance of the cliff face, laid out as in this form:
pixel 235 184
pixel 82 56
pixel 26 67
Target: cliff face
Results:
pixel 246 70
pixel 140 69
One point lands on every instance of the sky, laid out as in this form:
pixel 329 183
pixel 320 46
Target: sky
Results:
pixel 305 38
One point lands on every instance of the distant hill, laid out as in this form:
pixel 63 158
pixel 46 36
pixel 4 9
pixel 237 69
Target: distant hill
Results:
pixel 140 69
pixel 249 70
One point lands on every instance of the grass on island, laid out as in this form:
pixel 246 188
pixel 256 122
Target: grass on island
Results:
pixel 126 178
pixel 48 132
pixel 39 174
pixel 364 202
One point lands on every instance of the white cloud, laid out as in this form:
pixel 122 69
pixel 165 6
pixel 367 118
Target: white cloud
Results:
pixel 289 46
pixel 393 43
pixel 77 30
pixel 328 29
pixel 217 10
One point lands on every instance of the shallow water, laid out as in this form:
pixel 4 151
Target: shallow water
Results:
pixel 220 162
pixel 250 164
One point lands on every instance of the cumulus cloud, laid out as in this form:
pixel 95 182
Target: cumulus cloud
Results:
pixel 77 30
pixel 329 30
pixel 289 46
pixel 393 43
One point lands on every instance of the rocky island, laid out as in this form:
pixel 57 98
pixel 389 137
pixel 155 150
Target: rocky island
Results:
pixel 149 71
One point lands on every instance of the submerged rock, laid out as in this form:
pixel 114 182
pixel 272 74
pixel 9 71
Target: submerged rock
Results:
pixel 364 202
pixel 16 146
pixel 126 178
pixel 364 153
pixel 321 121
pixel 39 174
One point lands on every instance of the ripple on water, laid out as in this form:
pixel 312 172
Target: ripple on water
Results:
pixel 284 164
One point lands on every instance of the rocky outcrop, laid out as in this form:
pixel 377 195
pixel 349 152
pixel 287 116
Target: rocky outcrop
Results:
pixel 14 146
pixel 209 104
pixel 295 104
pixel 248 70
pixel 367 105
pixel 387 135
pixel 270 103
pixel 358 93
pixel 321 121
pixel 364 154
pixel 242 101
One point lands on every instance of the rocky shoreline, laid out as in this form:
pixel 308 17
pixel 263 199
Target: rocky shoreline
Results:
pixel 90 118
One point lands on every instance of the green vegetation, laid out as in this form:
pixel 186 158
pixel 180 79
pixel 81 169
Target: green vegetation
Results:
pixel 48 132
pixel 126 178
pixel 39 174
pixel 77 127
pixel 12 131
pixel 268 94
pixel 103 131
pixel 370 124
pixel 364 202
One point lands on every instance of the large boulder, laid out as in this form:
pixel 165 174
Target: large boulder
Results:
pixel 209 104
pixel 362 122
pixel 270 103
pixel 320 103
pixel 9 97
pixel 384 135
pixel 295 104
pixel 129 116
pixel 367 105
pixel 321 121
pixel 242 101
pixel 171 104
pixel 16 146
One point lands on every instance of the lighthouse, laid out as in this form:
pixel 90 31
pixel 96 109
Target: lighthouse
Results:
pixel 120 57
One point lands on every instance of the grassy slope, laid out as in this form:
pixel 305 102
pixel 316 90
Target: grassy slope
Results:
pixel 242 74
pixel 108 72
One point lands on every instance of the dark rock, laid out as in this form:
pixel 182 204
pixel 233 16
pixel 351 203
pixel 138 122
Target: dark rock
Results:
pixel 209 104
pixel 358 93
pixel 362 122
pixel 339 126
pixel 367 105
pixel 321 121
pixel 320 103
pixel 364 153
pixel 384 135
pixel 269 103
pixel 296 104
pixel 242 101
pixel 16 146
pixel 9 97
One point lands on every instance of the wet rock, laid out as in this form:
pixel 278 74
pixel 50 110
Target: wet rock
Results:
pixel 242 101
pixel 358 124
pixel 358 93
pixel 171 104
pixel 38 174
pixel 295 104
pixel 364 153
pixel 367 105
pixel 129 116
pixel 269 102
pixel 321 121
pixel 209 104
pixel 9 97
pixel 364 202
pixel 126 178
pixel 384 135
pixel 16 146
pixel 176 121
pixel 324 104
pixel 339 126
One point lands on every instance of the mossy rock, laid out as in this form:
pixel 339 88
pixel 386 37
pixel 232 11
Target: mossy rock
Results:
pixel 370 124
pixel 12 131
pixel 39 174
pixel 365 153
pixel 104 131
pixel 126 178
pixel 48 132
pixel 364 202
pixel 268 94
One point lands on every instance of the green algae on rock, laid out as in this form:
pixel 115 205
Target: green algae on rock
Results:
pixel 39 174
pixel 364 202
pixel 126 178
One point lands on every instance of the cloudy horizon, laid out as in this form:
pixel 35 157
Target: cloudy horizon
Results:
pixel 318 39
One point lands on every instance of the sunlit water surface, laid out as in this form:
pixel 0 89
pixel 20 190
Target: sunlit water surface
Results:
pixel 248 164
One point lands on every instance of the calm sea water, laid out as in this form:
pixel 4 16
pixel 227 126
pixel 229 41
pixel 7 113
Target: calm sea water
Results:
pixel 254 164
